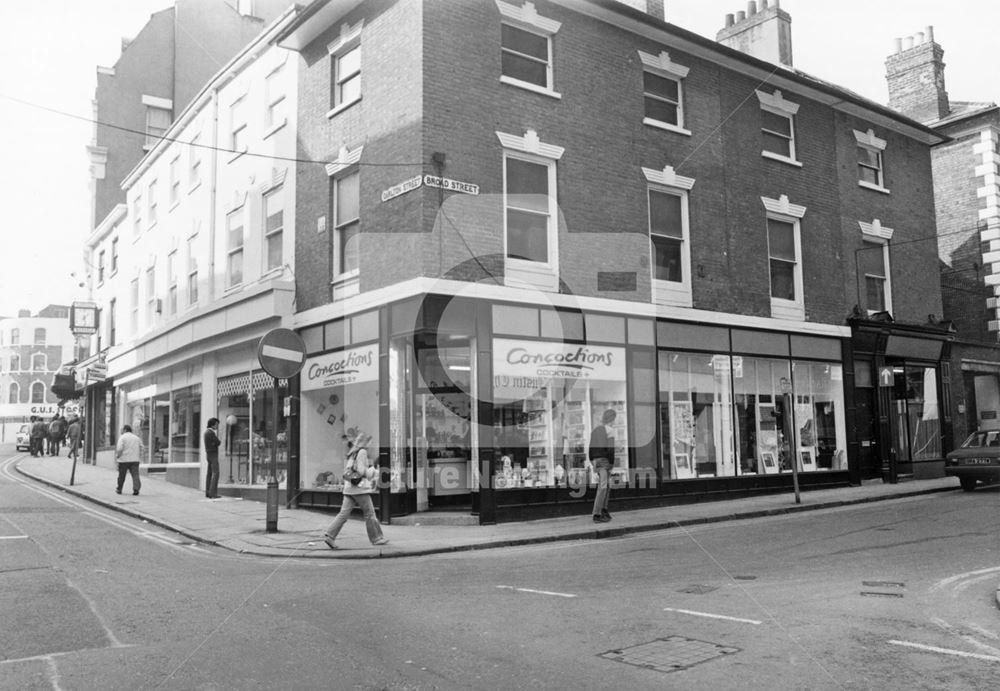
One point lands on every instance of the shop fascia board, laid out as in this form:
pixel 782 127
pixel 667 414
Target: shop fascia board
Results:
pixel 418 287
pixel 156 351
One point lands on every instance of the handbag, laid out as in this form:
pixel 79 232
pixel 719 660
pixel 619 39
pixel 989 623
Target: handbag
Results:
pixel 352 474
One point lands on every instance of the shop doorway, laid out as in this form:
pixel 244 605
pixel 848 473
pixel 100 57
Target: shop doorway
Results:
pixel 443 422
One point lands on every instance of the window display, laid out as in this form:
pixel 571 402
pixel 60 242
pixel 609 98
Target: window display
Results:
pixel 246 410
pixel 339 398
pixel 548 397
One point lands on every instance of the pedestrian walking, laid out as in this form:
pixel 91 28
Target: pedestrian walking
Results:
pixel 128 453
pixel 212 444
pixel 359 485
pixel 73 434
pixel 39 432
pixel 56 434
pixel 602 455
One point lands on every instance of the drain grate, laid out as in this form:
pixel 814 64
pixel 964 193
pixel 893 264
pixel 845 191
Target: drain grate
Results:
pixel 670 654
pixel 698 589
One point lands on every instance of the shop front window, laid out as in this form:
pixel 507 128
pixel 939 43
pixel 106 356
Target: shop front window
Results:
pixel 246 410
pixel 548 398
pixel 781 413
pixel 916 423
pixel 185 425
pixel 340 399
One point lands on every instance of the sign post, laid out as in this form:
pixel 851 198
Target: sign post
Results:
pixel 281 353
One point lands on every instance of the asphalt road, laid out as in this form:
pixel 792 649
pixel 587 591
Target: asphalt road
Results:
pixel 892 595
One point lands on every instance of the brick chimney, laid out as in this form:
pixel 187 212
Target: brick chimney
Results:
pixel 653 7
pixel 915 73
pixel 764 33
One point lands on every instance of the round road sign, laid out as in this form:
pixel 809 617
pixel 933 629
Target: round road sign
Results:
pixel 281 353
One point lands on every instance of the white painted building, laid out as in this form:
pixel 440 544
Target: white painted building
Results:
pixel 197 265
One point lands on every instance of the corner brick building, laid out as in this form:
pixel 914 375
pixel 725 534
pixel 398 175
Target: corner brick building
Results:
pixel 513 216
pixel 967 204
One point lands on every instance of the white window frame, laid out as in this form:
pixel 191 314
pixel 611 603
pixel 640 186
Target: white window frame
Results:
pixel 100 267
pixel 526 18
pixel 15 363
pixel 172 282
pixel 151 204
pixel 175 181
pixel 150 294
pixel 192 269
pixel 15 337
pixel 777 104
pixel 349 40
pixel 868 140
pixel 667 181
pixel 781 209
pixel 875 233
pixel 274 97
pixel 521 272
pixel 137 215
pixel 233 250
pixel 134 298
pixel 194 162
pixel 155 104
pixel 38 362
pixel 346 284
pixel 39 336
pixel 14 395
pixel 662 66
pixel 40 386
pixel 275 192
pixel 114 256
pixel 238 127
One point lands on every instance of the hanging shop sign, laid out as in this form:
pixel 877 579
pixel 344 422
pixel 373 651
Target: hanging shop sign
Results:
pixel 344 367
pixel 430 181
pixel 531 360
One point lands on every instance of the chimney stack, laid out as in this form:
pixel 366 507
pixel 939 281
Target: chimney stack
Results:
pixel 915 75
pixel 764 32
pixel 651 7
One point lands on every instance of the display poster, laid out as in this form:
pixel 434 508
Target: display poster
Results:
pixel 341 368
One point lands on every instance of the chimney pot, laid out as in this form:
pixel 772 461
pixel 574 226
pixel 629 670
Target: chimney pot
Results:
pixel 729 20
pixel 751 8
pixel 907 43
pixel 777 3
pixel 740 16
pixel 930 34
pixel 899 45
pixel 763 5
pixel 919 38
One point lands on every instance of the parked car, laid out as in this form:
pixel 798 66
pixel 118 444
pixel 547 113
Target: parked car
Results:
pixel 976 460
pixel 23 438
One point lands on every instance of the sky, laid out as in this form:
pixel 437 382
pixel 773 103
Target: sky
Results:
pixel 51 50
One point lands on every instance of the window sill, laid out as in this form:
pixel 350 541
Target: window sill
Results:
pixel 237 155
pixel 194 185
pixel 519 273
pixel 873 188
pixel 660 125
pixel 781 159
pixel 671 294
pixel 786 309
pixel 274 128
pixel 174 205
pixel 528 86
pixel 151 226
pixel 337 110
pixel 345 286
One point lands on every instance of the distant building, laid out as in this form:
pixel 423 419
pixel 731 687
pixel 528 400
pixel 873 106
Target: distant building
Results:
pixel 967 203
pixel 32 349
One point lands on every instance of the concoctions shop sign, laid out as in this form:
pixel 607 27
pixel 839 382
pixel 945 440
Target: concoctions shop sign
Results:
pixel 533 359
pixel 337 369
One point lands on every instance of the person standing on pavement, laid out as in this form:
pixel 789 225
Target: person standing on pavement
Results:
pixel 73 434
pixel 602 454
pixel 128 453
pixel 57 433
pixel 212 444
pixel 357 492
pixel 39 432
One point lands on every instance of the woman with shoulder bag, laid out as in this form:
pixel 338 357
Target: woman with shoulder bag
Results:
pixel 359 485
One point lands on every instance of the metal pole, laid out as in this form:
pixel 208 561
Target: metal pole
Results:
pixel 793 444
pixel 272 481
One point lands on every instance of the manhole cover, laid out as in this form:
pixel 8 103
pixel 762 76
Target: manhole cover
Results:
pixel 669 654
pixel 698 589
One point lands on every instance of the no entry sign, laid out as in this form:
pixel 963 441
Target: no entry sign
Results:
pixel 281 353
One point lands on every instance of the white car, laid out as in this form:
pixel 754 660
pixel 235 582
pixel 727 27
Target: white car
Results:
pixel 23 440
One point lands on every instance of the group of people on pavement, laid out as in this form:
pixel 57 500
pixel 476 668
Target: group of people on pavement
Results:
pixel 360 474
pixel 48 438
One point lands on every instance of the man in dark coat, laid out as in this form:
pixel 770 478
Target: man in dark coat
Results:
pixel 212 444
